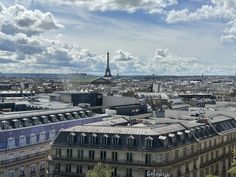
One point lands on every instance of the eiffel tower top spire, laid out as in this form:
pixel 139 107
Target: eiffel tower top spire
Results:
pixel 108 71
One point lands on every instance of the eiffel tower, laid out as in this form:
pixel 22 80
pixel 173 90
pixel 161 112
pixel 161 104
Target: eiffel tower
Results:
pixel 108 71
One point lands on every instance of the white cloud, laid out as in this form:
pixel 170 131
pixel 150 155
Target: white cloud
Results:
pixel 17 19
pixel 218 9
pixel 151 6
pixel 165 62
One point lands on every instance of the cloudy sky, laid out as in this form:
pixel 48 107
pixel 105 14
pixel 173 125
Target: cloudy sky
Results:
pixel 162 37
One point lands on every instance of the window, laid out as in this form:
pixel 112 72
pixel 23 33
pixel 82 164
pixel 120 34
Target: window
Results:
pixel 22 140
pixel 42 166
pixel 129 157
pixel 71 138
pixel 130 141
pixel 52 134
pixel 148 142
pixel 93 139
pixel 69 153
pixel 58 167
pixel 129 172
pixel 176 154
pixel 11 143
pixel 32 168
pixel 33 138
pixel 79 169
pixel 22 171
pixel 90 167
pixel 116 140
pixel 42 136
pixel 80 154
pixel 68 168
pixel 114 156
pixel 114 171
pixel 103 155
pixel 148 159
pixel 104 139
pixel 91 155
pixel 82 138
pixel 58 152
pixel 10 173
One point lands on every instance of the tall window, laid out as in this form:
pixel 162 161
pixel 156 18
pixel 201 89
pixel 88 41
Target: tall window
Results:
pixel 42 136
pixel 148 159
pixel 80 154
pixel 69 153
pixel 71 138
pixel 130 141
pixel 42 166
pixel 79 169
pixel 93 139
pixel 22 171
pixel 52 134
pixel 22 140
pixel 10 173
pixel 114 156
pixel 68 168
pixel 91 155
pixel 58 152
pixel 82 138
pixel 116 140
pixel 33 139
pixel 11 143
pixel 148 142
pixel 103 155
pixel 129 157
pixel 58 167
pixel 114 171
pixel 129 172
pixel 104 139
pixel 32 168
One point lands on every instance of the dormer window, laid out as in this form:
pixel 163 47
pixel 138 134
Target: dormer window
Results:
pixel 61 117
pixel 71 138
pixel 69 116
pixel 181 135
pixel 53 118
pixel 76 116
pixel 116 140
pixel 44 119
pixel 188 133
pixel 172 137
pixel 104 139
pixel 22 140
pixel 163 140
pixel 16 123
pixel 149 142
pixel 82 138
pixel 130 141
pixel 11 143
pixel 93 138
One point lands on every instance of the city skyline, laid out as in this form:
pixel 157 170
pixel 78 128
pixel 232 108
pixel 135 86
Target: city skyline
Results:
pixel 165 37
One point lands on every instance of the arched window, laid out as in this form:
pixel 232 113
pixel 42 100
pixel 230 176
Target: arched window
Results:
pixel 22 140
pixel 33 139
pixel 11 143
pixel 42 136
pixel 148 142
pixel 130 141
pixel 116 140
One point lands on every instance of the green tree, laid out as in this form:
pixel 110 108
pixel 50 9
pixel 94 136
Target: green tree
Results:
pixel 232 170
pixel 100 170
pixel 211 176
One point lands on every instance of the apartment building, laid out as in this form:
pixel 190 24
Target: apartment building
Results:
pixel 26 138
pixel 182 148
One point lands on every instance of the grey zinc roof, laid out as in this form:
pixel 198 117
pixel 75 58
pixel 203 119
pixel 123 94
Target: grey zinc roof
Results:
pixel 35 113
pixel 127 130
